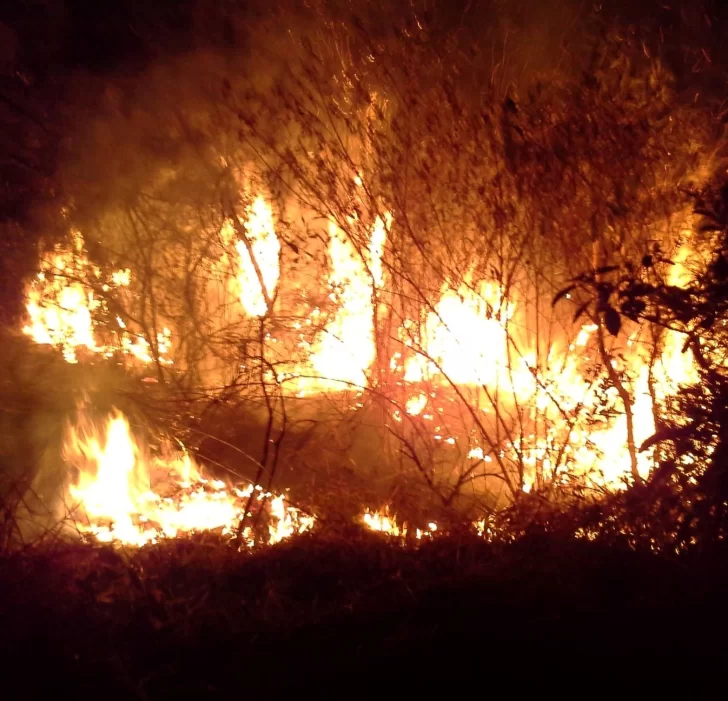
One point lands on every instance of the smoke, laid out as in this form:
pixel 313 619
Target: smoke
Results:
pixel 507 137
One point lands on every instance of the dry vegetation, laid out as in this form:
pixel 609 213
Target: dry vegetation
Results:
pixel 545 162
pixel 188 619
pixel 493 183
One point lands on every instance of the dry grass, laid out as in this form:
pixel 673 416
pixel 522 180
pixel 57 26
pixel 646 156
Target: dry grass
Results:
pixel 194 619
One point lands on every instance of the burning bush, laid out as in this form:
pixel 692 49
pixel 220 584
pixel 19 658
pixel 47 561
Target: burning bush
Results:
pixel 355 248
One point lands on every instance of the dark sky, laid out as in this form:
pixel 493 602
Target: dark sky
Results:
pixel 53 37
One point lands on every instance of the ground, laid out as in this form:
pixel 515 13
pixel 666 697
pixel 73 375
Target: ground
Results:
pixel 336 614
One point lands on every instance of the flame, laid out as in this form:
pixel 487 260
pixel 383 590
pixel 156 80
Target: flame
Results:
pixel 466 336
pixel 60 306
pixel 114 499
pixel 468 340
pixel 265 247
pixel 376 248
pixel 64 306
pixel 676 366
pixel 67 325
pixel 464 341
pixel 471 337
pixel 347 348
pixel 109 493
pixel 416 403
pixel 383 522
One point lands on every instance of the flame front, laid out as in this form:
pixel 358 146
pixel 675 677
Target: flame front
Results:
pixel 468 344
pixel 113 498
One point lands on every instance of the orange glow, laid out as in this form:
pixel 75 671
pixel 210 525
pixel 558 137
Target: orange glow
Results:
pixel 471 345
pixel 121 495
pixel 260 231
pixel 346 349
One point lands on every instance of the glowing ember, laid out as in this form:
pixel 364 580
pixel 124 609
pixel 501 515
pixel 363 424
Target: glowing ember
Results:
pixel 114 499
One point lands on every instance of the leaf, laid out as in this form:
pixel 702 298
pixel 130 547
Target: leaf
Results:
pixel 561 294
pixel 612 320
pixel 647 261
pixel 581 310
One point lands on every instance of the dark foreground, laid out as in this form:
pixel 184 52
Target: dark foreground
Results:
pixel 339 616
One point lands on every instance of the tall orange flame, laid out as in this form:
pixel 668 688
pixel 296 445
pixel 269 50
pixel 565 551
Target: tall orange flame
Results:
pixel 114 500
pixel 465 340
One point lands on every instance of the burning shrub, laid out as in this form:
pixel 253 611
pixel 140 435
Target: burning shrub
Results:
pixel 356 245
pixel 688 312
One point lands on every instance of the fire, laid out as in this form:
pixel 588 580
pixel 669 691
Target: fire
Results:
pixel 416 403
pixel 471 338
pixel 121 495
pixel 109 493
pixel 383 522
pixel 466 334
pixel 67 325
pixel 139 347
pixel 264 265
pixel 376 248
pixel 60 306
pixel 347 348
pixel 67 299
pixel 676 367
pixel 465 341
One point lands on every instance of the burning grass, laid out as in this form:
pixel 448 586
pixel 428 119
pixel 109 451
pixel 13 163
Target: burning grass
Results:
pixel 120 495
pixel 107 476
